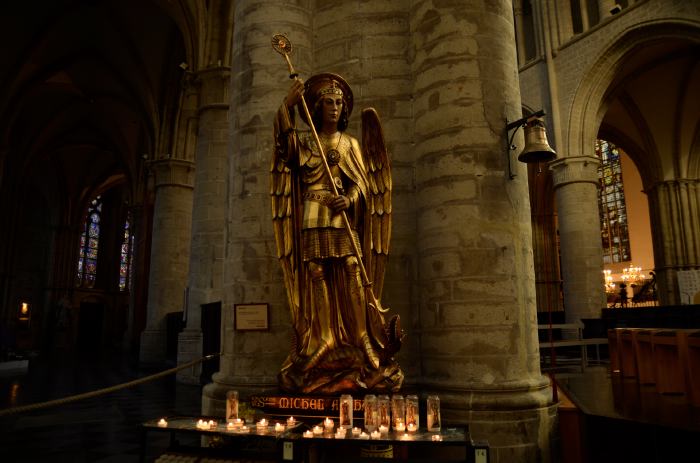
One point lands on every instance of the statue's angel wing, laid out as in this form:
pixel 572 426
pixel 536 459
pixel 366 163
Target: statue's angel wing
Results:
pixel 378 227
pixel 284 197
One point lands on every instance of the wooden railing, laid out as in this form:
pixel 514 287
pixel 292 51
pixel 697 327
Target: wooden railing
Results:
pixel 571 335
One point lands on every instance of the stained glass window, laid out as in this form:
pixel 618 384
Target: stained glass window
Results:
pixel 125 261
pixel 89 245
pixel 611 202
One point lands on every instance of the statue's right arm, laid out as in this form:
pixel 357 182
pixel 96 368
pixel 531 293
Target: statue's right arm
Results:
pixel 285 134
pixel 285 124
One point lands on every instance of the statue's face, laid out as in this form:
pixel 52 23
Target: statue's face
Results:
pixel 332 106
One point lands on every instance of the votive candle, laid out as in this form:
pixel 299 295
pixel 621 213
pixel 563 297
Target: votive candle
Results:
pixel 375 435
pixel 162 423
pixel 308 434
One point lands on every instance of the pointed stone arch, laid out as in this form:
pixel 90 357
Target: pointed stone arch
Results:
pixel 589 103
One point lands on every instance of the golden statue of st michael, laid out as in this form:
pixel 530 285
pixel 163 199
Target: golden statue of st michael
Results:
pixel 332 223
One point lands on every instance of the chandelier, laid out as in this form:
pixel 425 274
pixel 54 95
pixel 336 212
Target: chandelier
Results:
pixel 609 285
pixel 632 274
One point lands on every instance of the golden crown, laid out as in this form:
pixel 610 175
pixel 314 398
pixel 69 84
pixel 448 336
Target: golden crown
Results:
pixel 332 89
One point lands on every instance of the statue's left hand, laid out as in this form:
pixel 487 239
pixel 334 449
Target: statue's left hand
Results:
pixel 340 203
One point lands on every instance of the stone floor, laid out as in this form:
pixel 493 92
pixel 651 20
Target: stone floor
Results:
pixel 623 421
pixel 98 429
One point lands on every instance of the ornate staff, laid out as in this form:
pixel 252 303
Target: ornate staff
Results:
pixel 283 46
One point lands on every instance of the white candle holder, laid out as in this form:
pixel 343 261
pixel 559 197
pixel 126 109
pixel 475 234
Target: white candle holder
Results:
pixel 433 413
pixel 346 411
pixel 231 405
pixel 412 412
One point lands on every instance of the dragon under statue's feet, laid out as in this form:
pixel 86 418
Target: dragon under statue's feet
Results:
pixel 316 356
pixel 369 351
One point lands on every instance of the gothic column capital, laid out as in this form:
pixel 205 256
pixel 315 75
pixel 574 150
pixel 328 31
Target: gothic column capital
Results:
pixel 574 169
pixel 673 183
pixel 173 172
pixel 214 84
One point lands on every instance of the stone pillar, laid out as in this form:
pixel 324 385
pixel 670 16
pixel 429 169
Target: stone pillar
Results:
pixel 259 82
pixel 576 188
pixel 674 207
pixel 583 7
pixel 604 8
pixel 563 22
pixel 172 218
pixel 208 215
pixel 477 291
pixel 521 45
pixel 137 257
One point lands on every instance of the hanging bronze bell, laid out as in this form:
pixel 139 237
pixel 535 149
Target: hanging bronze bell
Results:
pixel 536 147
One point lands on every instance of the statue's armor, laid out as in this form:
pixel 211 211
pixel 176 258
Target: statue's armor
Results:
pixel 323 232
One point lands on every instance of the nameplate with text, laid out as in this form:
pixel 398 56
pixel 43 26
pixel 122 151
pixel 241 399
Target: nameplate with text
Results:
pixel 295 405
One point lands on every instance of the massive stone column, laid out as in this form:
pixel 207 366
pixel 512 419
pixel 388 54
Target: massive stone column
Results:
pixel 208 215
pixel 172 217
pixel 576 187
pixel 259 82
pixel 477 291
pixel 674 207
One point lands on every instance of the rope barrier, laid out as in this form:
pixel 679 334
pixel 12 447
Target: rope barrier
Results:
pixel 106 390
